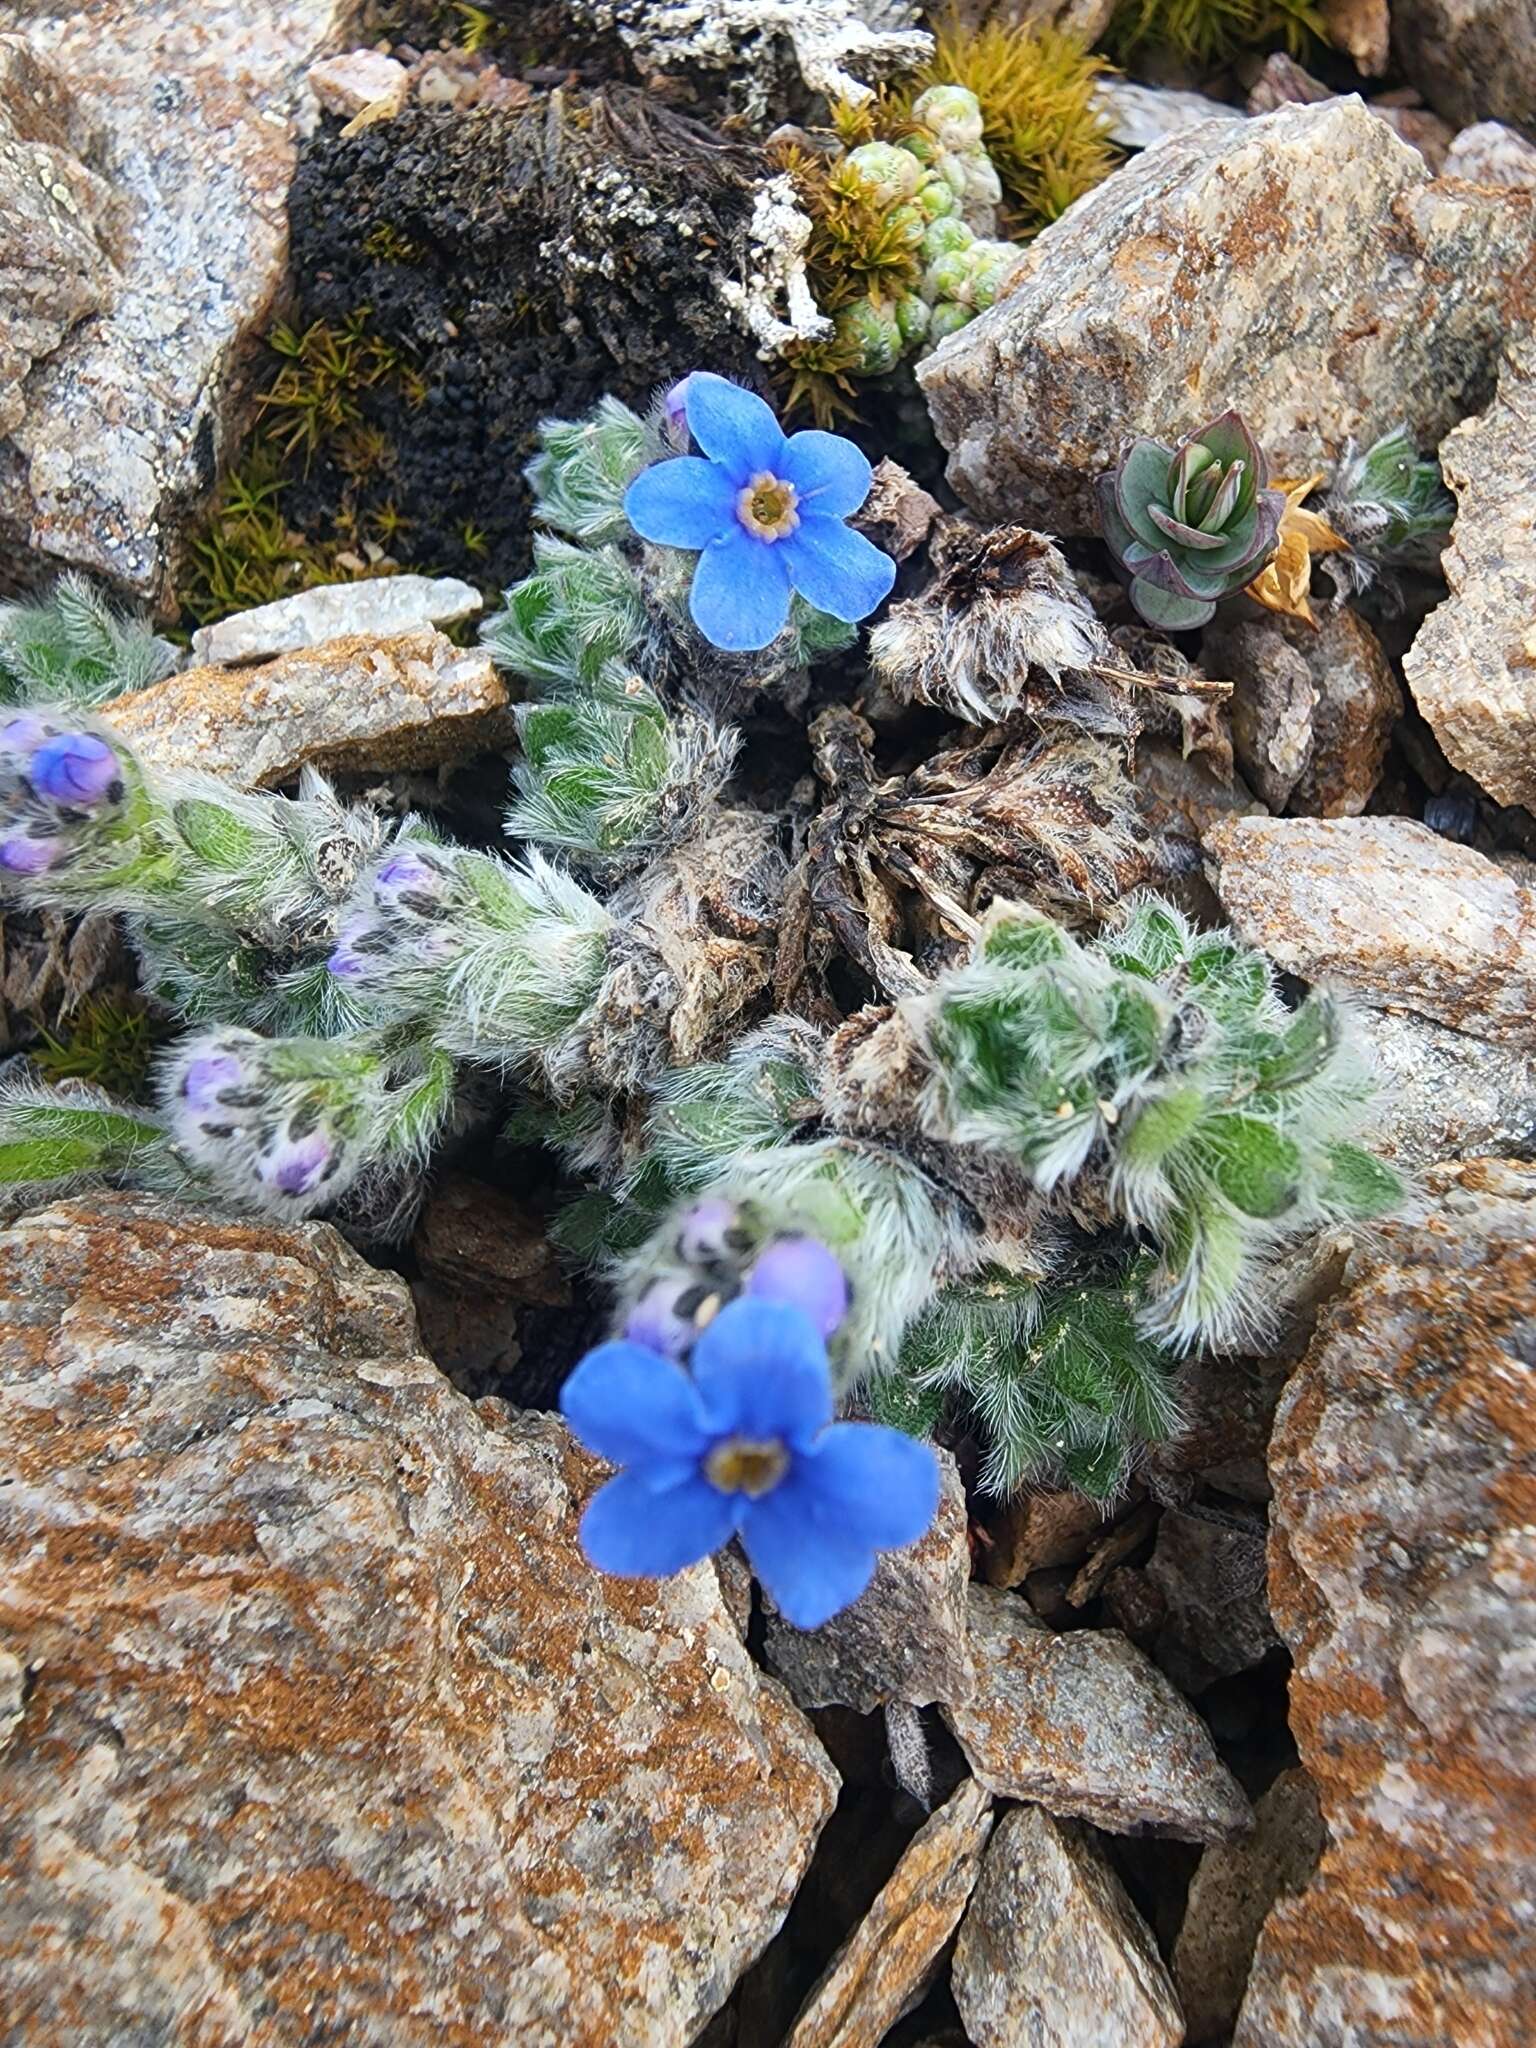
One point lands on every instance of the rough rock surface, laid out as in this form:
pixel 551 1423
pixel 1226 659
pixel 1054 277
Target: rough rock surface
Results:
pixel 1472 59
pixel 1209 1568
pixel 379 605
pixel 357 704
pixel 1229 1896
pixel 1086 1725
pixel 125 423
pixel 357 79
pixel 1386 910
pixel 1472 668
pixel 1403 1576
pixel 893 1955
pixel 1444 1095
pixel 905 1639
pixel 1312 711
pixel 1139 115
pixel 328 1720
pixel 1052 1953
pixel 1303 265
pixel 1034 1531
pixel 1488 153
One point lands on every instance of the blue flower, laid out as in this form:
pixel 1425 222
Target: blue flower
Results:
pixel 747 1446
pixel 766 512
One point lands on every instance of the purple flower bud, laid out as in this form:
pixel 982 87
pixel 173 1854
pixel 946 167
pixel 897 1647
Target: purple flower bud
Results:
pixel 75 768
pixel 674 412
pixel 23 856
pixel 710 1233
pixel 23 735
pixel 206 1078
pixel 405 874
pixel 801 1272
pixel 666 1317
pixel 346 963
pixel 298 1165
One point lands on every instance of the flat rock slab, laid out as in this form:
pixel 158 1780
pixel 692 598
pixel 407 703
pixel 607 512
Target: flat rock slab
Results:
pixel 1303 266
pixel 1052 1954
pixel 1403 1577
pixel 327 1721
pixel 1472 668
pixel 1386 910
pixel 904 1639
pixel 893 1955
pixel 377 605
pixel 123 426
pixel 358 705
pixel 1443 1095
pixel 1087 1726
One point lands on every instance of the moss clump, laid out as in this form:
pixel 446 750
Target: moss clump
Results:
pixel 1044 132
pixel 1209 32
pixel 109 1044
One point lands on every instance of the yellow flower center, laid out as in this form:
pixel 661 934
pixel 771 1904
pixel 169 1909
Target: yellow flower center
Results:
pixel 741 1466
pixel 766 507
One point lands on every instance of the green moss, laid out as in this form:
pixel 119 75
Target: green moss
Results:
pixel 109 1044
pixel 1209 32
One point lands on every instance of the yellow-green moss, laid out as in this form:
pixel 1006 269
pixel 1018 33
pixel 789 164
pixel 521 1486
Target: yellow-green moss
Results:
pixel 1208 32
pixel 109 1044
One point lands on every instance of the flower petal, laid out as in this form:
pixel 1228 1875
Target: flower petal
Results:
pixel 876 1485
pixel 633 1531
pixel 629 1404
pixel 761 1371
pixel 683 503
pixel 740 595
pixel 733 427
pixel 836 569
pixel 810 1572
pixel 830 474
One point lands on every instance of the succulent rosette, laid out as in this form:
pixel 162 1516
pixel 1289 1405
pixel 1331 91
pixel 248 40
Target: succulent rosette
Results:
pixel 1191 524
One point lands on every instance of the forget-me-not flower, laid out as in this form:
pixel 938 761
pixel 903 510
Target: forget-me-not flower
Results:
pixel 766 512
pixel 745 1445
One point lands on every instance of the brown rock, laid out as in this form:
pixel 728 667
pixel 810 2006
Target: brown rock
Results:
pixel 327 1715
pixel 475 1238
pixel 1033 1530
pixel 1208 1564
pixel 355 705
pixel 1364 29
pixel 1303 265
pixel 1403 1576
pixel 1386 910
pixel 1052 1953
pixel 1471 59
pixel 1085 1725
pixel 1472 668
pixel 893 1955
pixel 1231 1892
pixel 1133 1605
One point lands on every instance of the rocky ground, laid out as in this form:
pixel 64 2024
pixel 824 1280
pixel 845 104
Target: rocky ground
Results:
pixel 316 1724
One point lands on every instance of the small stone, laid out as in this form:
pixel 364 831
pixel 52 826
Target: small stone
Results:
pixel 1209 1568
pixel 1034 1530
pixel 473 1238
pixel 904 1639
pixel 378 606
pixel 1229 1897
pixel 1488 153
pixel 1364 29
pixel 1086 1726
pixel 1157 299
pixel 1403 1578
pixel 358 80
pixel 1133 1605
pixel 1472 668
pixel 358 705
pixel 1385 909
pixel 1140 115
pixel 1472 59
pixel 887 1964
pixel 1444 1095
pixel 1052 1953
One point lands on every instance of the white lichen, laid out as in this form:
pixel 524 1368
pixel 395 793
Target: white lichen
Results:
pixel 774 301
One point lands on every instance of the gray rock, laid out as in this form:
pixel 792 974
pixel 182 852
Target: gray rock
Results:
pixel 1229 1896
pixel 1471 59
pixel 378 606
pixel 1472 668
pixel 327 1712
pixel 1303 266
pixel 1384 909
pixel 125 422
pixel 1085 1725
pixel 886 1965
pixel 1444 1095
pixel 1488 153
pixel 1052 1953
pixel 905 1639
pixel 1210 1573
pixel 359 705
pixel 1403 1576
pixel 1141 115
pixel 356 80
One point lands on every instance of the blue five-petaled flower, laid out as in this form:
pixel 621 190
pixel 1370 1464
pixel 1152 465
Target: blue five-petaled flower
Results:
pixel 766 512
pixel 747 1446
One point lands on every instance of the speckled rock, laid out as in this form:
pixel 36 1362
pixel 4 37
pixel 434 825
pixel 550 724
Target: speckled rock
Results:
pixel 328 1723
pixel 1386 910
pixel 1488 153
pixel 124 424
pixel 1140 115
pixel 1085 1725
pixel 378 605
pixel 893 1955
pixel 1444 1095
pixel 905 1639
pixel 358 704
pixel 1303 265
pixel 1312 711
pixel 1209 1569
pixel 1472 668
pixel 1234 1888
pixel 1472 59
pixel 1052 1954
pixel 1403 1576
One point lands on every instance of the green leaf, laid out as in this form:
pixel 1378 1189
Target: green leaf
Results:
pixel 1257 1169
pixel 1024 940
pixel 1165 608
pixel 1303 1049
pixel 900 1403
pixel 216 835
pixel 1358 1183
pixel 24 1161
pixel 1101 1471
pixel 1159 1126
pixel 1150 941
